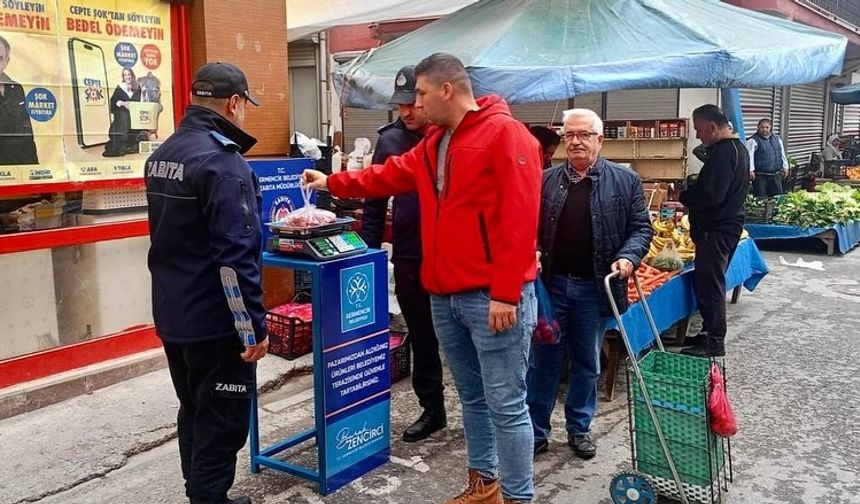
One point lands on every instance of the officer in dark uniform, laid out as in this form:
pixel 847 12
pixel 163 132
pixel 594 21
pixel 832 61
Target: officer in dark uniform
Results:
pixel 394 139
pixel 17 146
pixel 205 261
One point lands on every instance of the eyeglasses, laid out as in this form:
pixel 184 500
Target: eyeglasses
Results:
pixel 582 136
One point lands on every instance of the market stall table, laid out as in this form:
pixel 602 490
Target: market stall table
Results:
pixel 674 302
pixel 845 235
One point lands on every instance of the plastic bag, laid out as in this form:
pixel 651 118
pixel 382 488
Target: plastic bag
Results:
pixel 309 215
pixel 309 147
pixel 358 154
pixel 723 422
pixel 668 259
pixel 547 331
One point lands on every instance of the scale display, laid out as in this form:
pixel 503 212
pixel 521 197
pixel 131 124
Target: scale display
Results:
pixel 322 248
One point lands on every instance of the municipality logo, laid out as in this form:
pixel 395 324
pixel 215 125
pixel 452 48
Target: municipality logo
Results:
pixel 401 79
pixel 357 288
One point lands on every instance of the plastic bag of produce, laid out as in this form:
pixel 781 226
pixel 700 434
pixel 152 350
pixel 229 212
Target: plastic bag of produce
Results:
pixel 723 422
pixel 547 331
pixel 308 215
pixel 667 259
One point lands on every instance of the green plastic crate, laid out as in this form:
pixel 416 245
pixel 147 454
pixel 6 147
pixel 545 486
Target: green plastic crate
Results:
pixel 678 386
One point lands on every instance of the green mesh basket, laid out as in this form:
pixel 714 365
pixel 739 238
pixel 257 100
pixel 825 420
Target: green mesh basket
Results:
pixel 678 386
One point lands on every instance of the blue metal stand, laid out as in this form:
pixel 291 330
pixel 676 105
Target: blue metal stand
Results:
pixel 351 424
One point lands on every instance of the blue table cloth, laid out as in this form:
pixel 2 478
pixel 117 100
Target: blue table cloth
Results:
pixel 847 233
pixel 675 300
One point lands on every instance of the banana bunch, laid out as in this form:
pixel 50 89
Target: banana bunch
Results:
pixel 663 228
pixel 666 232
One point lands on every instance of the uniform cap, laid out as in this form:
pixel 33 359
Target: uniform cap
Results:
pixel 221 80
pixel 404 86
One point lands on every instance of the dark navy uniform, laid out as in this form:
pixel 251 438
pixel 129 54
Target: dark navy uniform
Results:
pixel 205 261
pixel 395 139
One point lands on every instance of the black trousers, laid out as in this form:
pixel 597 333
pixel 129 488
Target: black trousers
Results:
pixel 714 251
pixel 415 304
pixel 214 387
pixel 767 186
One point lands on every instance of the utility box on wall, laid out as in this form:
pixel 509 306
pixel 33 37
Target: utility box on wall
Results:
pixel 220 31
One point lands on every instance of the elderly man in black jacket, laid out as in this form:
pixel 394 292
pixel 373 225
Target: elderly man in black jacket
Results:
pixel 397 138
pixel 593 221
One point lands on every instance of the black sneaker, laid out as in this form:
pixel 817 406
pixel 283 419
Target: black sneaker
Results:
pixel 582 445
pixel 429 422
pixel 541 446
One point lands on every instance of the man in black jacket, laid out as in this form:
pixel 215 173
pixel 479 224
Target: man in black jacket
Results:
pixel 716 205
pixel 17 146
pixel 593 221
pixel 395 139
pixel 205 260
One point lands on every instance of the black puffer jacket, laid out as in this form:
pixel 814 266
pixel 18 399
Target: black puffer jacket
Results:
pixel 619 218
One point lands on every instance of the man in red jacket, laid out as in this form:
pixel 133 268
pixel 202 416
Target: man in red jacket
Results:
pixel 478 176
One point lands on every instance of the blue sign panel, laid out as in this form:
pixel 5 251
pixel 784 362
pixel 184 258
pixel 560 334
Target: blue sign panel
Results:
pixel 280 185
pixel 356 372
pixel 357 437
pixel 358 303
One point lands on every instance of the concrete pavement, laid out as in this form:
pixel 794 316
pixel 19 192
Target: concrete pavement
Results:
pixel 793 379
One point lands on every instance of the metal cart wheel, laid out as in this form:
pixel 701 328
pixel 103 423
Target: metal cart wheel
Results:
pixel 631 487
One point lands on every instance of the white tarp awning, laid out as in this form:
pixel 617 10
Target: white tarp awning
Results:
pixel 306 17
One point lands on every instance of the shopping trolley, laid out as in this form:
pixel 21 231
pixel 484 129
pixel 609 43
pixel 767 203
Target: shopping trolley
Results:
pixel 673 450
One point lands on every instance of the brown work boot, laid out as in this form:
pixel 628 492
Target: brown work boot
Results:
pixel 479 491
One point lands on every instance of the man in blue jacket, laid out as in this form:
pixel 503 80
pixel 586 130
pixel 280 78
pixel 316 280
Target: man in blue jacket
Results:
pixel 204 223
pixel 593 221
pixel 395 139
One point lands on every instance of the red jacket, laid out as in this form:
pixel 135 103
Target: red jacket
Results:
pixel 481 231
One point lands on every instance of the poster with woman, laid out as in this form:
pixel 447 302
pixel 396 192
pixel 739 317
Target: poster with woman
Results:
pixel 117 101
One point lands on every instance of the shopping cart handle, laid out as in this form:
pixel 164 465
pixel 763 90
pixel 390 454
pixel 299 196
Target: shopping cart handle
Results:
pixel 642 301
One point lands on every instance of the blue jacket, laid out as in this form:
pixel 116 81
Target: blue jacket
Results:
pixel 394 139
pixel 204 224
pixel 619 219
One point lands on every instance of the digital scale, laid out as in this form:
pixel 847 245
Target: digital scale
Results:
pixel 321 243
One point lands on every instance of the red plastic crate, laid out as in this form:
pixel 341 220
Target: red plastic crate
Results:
pixel 289 337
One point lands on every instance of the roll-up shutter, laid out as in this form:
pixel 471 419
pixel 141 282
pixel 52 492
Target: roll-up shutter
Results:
pixel 642 104
pixel 539 113
pixel 805 120
pixel 777 110
pixel 756 104
pixel 359 123
pixel 591 101
pixel 850 119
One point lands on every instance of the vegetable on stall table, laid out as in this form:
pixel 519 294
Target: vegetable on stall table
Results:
pixel 832 204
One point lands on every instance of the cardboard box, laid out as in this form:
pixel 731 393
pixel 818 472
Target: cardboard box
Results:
pixel 656 193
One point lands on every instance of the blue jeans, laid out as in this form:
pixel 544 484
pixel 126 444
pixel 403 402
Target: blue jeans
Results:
pixel 576 303
pixel 489 371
